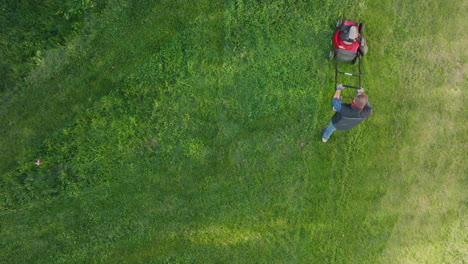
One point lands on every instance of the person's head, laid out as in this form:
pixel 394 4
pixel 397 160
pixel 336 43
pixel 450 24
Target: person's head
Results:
pixel 360 99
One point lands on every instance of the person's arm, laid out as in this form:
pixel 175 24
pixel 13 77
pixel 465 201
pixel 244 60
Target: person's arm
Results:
pixel 336 101
pixel 337 94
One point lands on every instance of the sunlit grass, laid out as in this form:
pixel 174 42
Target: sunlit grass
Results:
pixel 180 132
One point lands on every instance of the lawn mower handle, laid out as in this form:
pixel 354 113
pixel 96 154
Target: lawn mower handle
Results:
pixel 349 86
pixel 349 74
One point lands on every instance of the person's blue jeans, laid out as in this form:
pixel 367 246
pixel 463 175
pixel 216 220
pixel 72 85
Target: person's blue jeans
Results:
pixel 330 129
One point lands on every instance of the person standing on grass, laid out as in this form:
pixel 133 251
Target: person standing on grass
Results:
pixel 347 116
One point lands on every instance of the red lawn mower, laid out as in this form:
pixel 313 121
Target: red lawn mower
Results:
pixel 349 45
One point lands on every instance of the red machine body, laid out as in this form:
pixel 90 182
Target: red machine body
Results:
pixel 338 43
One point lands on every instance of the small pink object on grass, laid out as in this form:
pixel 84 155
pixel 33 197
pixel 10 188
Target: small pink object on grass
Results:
pixel 38 162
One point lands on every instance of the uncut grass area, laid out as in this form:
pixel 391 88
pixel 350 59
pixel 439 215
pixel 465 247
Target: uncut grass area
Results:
pixel 189 132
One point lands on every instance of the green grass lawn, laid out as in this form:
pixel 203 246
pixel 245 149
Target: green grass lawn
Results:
pixel 189 132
